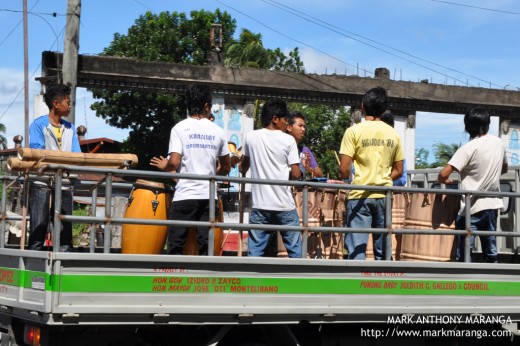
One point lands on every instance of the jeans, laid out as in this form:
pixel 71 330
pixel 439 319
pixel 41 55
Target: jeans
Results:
pixel 485 220
pixel 188 210
pixel 365 213
pixel 259 239
pixel 39 213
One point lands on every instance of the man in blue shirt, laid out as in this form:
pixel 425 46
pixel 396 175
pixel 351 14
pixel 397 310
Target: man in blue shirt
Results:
pixel 51 132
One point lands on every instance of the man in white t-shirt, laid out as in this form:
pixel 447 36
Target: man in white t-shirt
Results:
pixel 480 162
pixel 272 154
pixel 196 144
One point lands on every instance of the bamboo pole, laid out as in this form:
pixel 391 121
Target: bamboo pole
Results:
pixel 16 165
pixel 78 159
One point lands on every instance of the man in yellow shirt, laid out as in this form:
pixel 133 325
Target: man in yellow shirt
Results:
pixel 375 149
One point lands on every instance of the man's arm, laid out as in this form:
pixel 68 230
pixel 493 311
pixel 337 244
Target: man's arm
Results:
pixel 245 162
pixel 505 168
pixel 295 172
pixel 444 174
pixel 344 166
pixel 224 165
pixel 397 170
pixel 309 163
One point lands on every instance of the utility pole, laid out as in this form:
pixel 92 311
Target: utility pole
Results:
pixel 70 52
pixel 25 75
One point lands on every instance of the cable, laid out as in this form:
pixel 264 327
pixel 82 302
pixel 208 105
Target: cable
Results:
pixel 140 3
pixel 478 8
pixel 53 14
pixel 293 39
pixel 331 26
pixel 18 24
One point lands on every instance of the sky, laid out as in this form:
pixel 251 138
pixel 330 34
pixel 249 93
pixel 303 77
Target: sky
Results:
pixel 461 42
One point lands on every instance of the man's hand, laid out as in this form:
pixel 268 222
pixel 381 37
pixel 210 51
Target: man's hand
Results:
pixel 159 162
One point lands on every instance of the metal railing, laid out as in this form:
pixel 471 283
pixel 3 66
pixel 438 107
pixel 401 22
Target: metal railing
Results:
pixel 58 172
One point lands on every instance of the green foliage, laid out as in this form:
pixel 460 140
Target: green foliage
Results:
pixel 3 139
pixel 248 51
pixel 282 62
pixel 80 231
pixel 326 125
pixel 421 158
pixel 443 153
pixel 168 37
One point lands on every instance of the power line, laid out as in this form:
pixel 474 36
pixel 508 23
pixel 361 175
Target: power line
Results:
pixel 476 7
pixel 333 28
pixel 53 14
pixel 291 38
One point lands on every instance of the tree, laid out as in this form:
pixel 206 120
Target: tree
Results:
pixel 169 37
pixel 3 140
pixel 443 153
pixel 248 51
pixel 282 62
pixel 421 158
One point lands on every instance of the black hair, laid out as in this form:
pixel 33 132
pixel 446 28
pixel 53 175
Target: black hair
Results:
pixel 55 92
pixel 293 116
pixel 375 102
pixel 274 107
pixel 196 97
pixel 387 118
pixel 476 122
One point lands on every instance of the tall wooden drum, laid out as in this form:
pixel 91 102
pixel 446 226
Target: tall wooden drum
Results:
pixel 148 200
pixel 326 209
pixel 434 212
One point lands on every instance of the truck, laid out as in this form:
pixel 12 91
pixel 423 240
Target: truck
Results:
pixel 101 296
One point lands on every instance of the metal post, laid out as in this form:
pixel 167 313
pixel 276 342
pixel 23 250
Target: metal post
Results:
pixel 305 217
pixel 467 216
pixel 56 236
pixel 4 209
pixel 388 224
pixel 108 213
pixel 93 210
pixel 211 235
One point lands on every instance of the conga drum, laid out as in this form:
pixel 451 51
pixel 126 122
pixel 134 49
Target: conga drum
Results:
pixel 326 208
pixel 329 245
pixel 398 214
pixel 148 200
pixel 434 212
pixel 191 246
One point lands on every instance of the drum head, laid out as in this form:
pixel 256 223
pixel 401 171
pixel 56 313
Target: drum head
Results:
pixel 148 183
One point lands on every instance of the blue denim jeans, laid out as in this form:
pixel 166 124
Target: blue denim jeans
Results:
pixel 39 212
pixel 259 239
pixel 485 220
pixel 365 213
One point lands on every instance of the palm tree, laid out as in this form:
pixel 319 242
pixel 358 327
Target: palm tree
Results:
pixel 248 51
pixel 3 140
pixel 443 153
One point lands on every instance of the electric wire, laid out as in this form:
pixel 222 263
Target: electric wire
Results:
pixel 291 38
pixel 476 7
pixel 333 28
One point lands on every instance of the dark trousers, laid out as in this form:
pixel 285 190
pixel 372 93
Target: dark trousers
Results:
pixel 188 210
pixel 39 212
